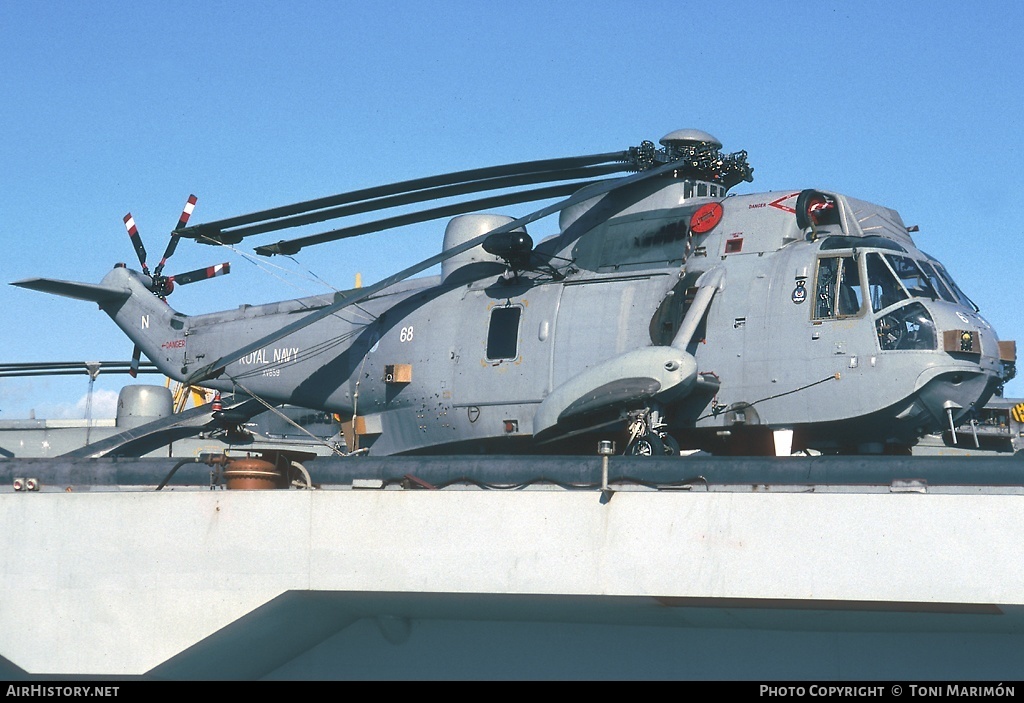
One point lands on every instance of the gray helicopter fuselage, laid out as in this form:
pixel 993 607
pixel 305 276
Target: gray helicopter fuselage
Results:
pixel 825 332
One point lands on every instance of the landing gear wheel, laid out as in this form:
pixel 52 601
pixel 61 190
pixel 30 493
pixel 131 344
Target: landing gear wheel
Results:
pixel 647 445
pixel 671 445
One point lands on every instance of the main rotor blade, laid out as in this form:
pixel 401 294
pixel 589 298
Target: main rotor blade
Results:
pixel 211 229
pixel 435 193
pixel 292 246
pixel 342 301
pixel 183 279
pixel 67 368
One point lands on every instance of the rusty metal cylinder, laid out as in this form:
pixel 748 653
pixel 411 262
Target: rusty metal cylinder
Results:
pixel 248 474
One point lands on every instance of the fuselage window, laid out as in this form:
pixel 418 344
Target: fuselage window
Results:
pixel 837 288
pixel 503 333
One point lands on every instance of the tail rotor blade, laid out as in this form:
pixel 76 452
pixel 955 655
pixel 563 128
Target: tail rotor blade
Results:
pixel 133 370
pixel 201 274
pixel 186 213
pixel 133 234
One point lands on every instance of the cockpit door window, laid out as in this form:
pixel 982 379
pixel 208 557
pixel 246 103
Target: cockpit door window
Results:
pixel 851 296
pixel 837 288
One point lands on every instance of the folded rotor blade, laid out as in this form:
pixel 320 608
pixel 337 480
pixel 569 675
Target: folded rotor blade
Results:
pixel 162 431
pixel 292 246
pixel 342 301
pixel 211 230
pixel 68 368
pixel 182 279
pixel 418 196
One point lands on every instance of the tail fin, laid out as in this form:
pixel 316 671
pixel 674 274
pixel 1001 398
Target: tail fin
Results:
pixel 97 293
pixel 155 328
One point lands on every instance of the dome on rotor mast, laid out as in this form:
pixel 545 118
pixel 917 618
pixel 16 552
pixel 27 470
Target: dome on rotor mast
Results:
pixel 688 137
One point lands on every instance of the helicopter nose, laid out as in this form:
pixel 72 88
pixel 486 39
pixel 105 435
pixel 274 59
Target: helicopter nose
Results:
pixel 951 394
pixel 966 372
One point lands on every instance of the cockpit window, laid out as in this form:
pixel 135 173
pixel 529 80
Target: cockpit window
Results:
pixel 883 287
pixel 912 277
pixel 936 281
pixel 837 289
pixel 960 296
pixel 869 242
pixel 906 329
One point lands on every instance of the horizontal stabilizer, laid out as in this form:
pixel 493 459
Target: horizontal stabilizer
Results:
pixel 83 291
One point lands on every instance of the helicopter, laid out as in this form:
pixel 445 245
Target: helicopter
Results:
pixel 665 313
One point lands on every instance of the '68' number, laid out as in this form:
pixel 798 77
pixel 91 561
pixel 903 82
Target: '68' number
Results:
pixel 405 335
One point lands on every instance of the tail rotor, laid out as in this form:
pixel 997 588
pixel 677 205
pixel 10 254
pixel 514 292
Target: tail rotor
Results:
pixel 160 285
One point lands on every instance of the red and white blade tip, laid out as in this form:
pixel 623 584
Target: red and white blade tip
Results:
pixel 187 211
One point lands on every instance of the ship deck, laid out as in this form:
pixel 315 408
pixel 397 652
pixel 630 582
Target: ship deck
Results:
pixel 518 567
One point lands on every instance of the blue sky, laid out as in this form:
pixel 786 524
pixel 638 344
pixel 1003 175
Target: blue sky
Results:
pixel 115 106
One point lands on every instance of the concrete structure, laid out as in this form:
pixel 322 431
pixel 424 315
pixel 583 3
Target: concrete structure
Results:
pixel 697 580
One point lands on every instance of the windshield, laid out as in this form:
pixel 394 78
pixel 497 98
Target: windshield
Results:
pixel 883 287
pixel 948 280
pixel 937 283
pixel 912 277
pixel 893 278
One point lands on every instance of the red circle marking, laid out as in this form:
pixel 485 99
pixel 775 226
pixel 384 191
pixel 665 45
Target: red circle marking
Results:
pixel 706 218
